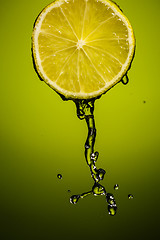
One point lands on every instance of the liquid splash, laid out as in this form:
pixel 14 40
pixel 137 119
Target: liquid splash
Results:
pixel 85 109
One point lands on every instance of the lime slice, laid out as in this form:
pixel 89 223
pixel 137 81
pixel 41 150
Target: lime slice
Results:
pixel 81 48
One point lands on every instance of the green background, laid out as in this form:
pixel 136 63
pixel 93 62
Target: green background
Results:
pixel 41 137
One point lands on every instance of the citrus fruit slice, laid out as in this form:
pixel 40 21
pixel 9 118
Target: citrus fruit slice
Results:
pixel 81 48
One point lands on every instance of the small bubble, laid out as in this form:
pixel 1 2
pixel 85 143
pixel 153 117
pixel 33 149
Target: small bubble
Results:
pixel 116 187
pixel 130 196
pixel 59 176
pixel 74 199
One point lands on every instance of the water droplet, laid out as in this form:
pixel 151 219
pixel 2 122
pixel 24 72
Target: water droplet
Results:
pixel 74 199
pixel 116 187
pixel 60 32
pixel 59 176
pixel 130 196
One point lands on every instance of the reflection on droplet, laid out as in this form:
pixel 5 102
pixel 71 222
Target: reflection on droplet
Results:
pixel 116 186
pixel 94 156
pixel 130 196
pixel 87 146
pixel 59 176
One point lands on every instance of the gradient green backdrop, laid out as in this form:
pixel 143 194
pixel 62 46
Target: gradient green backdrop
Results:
pixel 41 137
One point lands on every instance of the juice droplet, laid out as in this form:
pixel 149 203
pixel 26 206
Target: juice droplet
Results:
pixel 59 176
pixel 116 187
pixel 112 210
pixel 130 196
pixel 74 199
pixel 112 207
pixel 125 79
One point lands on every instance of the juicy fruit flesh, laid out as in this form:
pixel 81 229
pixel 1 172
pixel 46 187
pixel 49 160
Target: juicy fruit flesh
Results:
pixel 83 46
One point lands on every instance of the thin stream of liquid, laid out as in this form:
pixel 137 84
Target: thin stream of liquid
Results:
pixel 85 109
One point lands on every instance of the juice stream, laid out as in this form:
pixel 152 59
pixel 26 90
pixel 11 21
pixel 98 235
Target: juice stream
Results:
pixel 85 109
